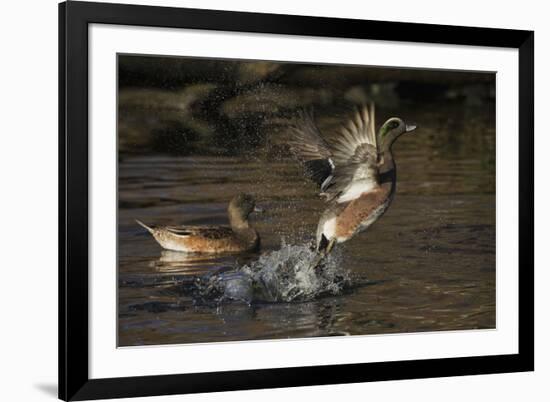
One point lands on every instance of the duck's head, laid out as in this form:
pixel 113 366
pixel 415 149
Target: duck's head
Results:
pixel 240 207
pixel 392 129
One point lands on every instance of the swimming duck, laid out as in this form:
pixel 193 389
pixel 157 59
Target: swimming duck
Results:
pixel 239 237
pixel 355 171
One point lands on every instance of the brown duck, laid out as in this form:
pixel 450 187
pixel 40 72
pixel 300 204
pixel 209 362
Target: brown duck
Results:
pixel 238 237
pixel 355 170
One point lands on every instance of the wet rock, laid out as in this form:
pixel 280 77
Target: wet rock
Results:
pixel 162 99
pixel 249 73
pixel 161 119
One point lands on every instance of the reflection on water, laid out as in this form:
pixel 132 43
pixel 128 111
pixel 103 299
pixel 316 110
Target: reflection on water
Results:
pixel 427 265
pixel 191 264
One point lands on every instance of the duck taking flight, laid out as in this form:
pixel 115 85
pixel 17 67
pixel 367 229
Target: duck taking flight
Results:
pixel 239 237
pixel 355 171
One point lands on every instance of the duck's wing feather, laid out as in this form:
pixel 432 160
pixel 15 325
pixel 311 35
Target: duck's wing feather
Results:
pixel 355 139
pixel 354 151
pixel 307 145
pixel 208 232
pixel 346 165
pixel 306 142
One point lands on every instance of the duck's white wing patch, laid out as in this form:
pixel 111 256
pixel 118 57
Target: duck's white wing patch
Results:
pixel 348 182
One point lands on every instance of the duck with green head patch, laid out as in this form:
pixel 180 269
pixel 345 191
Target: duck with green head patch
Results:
pixel 355 170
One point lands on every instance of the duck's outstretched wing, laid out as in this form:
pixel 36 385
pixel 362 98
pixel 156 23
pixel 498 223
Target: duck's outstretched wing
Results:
pixel 354 151
pixel 307 145
pixel 346 165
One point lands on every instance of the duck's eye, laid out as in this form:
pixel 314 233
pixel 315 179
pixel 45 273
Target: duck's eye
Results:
pixel 394 124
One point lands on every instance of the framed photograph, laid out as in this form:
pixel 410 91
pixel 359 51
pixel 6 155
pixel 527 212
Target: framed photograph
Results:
pixel 257 201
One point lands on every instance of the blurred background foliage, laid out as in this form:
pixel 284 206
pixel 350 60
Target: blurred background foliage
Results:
pixel 197 106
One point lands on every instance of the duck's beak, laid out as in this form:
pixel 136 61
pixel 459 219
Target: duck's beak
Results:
pixel 410 127
pixel 258 210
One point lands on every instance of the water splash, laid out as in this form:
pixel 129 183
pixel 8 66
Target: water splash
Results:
pixel 284 275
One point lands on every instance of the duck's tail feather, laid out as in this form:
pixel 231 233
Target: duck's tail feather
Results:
pixel 149 229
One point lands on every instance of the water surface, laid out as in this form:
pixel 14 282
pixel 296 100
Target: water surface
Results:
pixel 427 265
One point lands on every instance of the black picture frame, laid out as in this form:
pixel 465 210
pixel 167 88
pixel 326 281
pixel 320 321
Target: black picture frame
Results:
pixel 74 381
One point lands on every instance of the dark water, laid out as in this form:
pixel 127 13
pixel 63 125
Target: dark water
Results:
pixel 427 265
